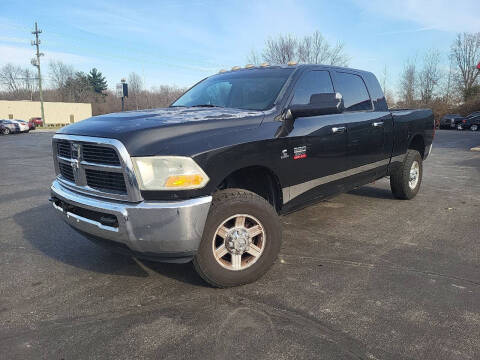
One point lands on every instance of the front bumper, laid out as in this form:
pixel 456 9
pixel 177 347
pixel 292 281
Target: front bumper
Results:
pixel 154 230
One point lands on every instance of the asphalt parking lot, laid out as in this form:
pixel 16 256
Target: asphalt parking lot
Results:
pixel 361 276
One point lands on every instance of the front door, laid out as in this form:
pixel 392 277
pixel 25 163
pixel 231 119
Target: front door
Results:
pixel 316 145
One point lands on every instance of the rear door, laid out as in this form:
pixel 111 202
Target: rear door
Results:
pixel 366 146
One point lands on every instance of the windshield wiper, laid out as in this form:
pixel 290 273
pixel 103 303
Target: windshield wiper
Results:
pixel 206 105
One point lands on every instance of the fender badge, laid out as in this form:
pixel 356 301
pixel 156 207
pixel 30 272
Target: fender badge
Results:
pixel 299 152
pixel 284 154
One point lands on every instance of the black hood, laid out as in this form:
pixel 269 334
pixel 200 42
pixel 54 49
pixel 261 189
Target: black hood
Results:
pixel 175 131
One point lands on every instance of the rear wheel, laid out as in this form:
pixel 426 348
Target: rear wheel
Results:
pixel 241 239
pixel 405 181
pixel 6 131
pixel 474 127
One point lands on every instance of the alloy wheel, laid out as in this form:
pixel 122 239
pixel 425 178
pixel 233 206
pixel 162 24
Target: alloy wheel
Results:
pixel 238 242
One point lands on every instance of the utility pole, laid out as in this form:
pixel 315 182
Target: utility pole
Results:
pixel 36 62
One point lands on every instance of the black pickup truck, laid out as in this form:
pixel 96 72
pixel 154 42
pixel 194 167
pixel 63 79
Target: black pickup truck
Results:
pixel 206 178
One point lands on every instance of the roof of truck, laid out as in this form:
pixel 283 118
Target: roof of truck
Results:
pixel 249 67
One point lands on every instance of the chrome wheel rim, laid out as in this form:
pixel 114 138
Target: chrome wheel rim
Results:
pixel 474 127
pixel 414 175
pixel 239 242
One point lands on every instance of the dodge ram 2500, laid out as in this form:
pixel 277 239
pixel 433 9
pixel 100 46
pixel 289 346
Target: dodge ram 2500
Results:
pixel 206 178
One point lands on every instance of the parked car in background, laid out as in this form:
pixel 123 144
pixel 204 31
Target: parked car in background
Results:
pixel 8 127
pixel 450 121
pixel 30 124
pixel 37 121
pixel 23 125
pixel 472 123
pixel 473 114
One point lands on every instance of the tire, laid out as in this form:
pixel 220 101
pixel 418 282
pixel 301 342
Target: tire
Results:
pixel 225 217
pixel 474 127
pixel 459 127
pixel 401 182
pixel 6 131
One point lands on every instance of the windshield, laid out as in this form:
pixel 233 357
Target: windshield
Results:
pixel 254 89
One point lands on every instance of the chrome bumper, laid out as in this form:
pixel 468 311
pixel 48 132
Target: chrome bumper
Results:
pixel 150 228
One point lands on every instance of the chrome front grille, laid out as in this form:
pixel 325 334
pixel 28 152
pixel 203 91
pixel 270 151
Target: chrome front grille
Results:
pixel 66 171
pixel 64 149
pixel 95 166
pixel 100 154
pixel 106 181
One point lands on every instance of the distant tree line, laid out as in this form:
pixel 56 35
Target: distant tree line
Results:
pixel 65 84
pixel 425 82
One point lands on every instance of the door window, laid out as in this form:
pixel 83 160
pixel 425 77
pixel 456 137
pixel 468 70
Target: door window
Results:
pixel 354 92
pixel 312 82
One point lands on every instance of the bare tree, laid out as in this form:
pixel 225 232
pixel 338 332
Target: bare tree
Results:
pixel 18 82
pixel 315 49
pixel 312 49
pixel 280 50
pixel 10 78
pixel 61 74
pixel 254 58
pixel 429 76
pixel 135 87
pixel 466 54
pixel 408 82
pixel 28 81
pixel 386 90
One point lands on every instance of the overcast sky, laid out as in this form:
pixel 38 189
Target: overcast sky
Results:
pixel 179 43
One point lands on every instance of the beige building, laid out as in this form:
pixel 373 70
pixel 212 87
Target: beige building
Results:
pixel 60 113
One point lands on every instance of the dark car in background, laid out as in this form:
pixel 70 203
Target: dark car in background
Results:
pixel 8 127
pixel 470 122
pixel 450 121
pixel 475 113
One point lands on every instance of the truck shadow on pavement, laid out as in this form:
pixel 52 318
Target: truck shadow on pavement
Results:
pixel 372 192
pixel 50 235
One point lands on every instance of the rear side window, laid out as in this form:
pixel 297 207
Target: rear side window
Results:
pixel 354 92
pixel 312 82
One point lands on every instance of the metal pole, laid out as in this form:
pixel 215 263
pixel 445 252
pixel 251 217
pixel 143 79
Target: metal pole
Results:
pixel 123 102
pixel 38 54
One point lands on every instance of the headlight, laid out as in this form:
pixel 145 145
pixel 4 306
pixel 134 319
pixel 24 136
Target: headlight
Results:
pixel 169 173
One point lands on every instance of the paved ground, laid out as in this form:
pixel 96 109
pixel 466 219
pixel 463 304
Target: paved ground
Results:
pixel 362 276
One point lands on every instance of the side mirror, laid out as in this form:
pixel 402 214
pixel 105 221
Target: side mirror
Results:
pixel 320 104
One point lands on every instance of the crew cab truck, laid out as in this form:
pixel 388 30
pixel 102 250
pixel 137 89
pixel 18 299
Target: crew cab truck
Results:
pixel 206 178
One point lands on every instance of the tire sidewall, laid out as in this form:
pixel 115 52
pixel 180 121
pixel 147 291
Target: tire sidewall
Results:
pixel 412 156
pixel 256 207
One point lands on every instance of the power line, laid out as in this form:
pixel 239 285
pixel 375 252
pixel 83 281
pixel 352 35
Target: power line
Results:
pixel 36 62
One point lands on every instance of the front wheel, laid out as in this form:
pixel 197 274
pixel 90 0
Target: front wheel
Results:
pixel 474 127
pixel 241 239
pixel 405 181
pixel 6 131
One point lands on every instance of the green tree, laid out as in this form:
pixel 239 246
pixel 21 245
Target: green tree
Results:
pixel 97 81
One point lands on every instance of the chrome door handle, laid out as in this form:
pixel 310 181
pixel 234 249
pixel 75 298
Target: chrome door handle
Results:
pixel 377 124
pixel 339 129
